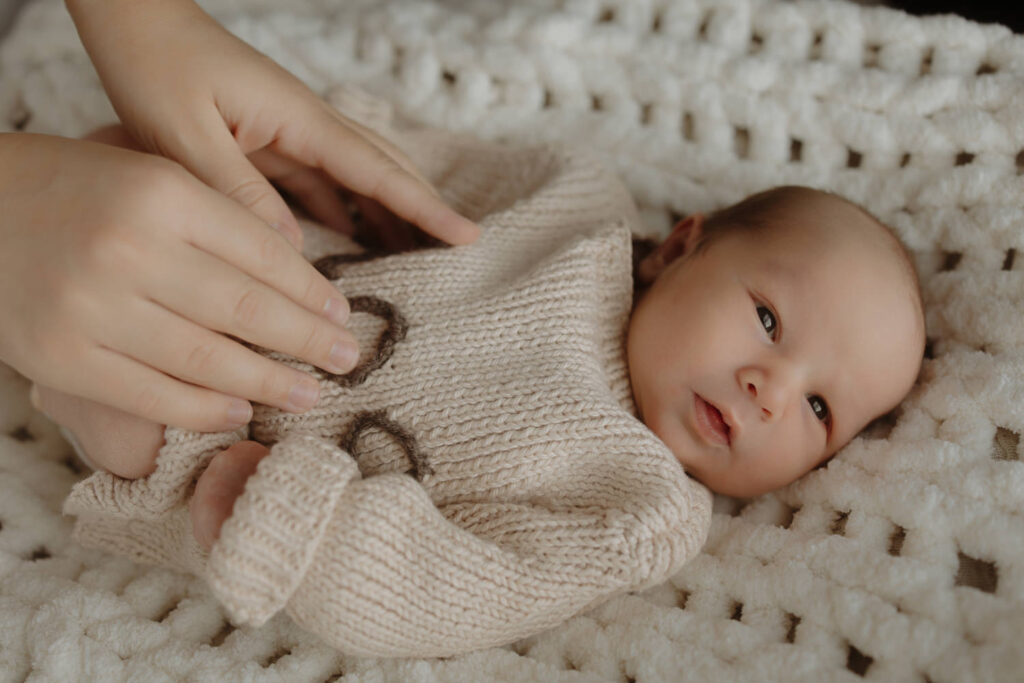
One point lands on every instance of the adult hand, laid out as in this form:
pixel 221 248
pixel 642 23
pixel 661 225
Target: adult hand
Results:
pixel 189 90
pixel 118 270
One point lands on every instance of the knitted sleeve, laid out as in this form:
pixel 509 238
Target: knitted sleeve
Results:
pixel 374 568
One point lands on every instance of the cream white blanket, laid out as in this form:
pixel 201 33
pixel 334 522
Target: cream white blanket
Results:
pixel 903 559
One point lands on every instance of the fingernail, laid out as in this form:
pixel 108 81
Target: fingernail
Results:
pixel 240 412
pixel 343 357
pixel 303 396
pixel 337 311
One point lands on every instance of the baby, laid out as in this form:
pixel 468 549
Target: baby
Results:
pixel 480 476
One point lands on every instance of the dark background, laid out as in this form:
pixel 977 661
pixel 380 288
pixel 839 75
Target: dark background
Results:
pixel 1008 12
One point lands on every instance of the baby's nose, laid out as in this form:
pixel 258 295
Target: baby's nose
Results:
pixel 770 391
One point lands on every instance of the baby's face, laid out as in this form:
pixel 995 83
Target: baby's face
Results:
pixel 757 357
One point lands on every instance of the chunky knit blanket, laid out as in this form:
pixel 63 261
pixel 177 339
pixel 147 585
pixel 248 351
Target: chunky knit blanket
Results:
pixel 903 559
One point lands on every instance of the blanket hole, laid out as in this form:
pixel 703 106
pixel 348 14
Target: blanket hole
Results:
pixel 857 661
pixel 853 158
pixel 905 160
pixel 1004 445
pixel 951 260
pixel 22 434
pixel 226 630
pixel 985 68
pixel 656 22
pixel 1011 254
pixel 792 621
pixel 871 55
pixel 689 128
pixel 899 534
pixel 40 553
pixel 702 31
pixel 788 513
pixel 646 113
pixel 607 16
pixel 281 651
pixel 926 61
pixel 756 43
pixel 682 597
pixel 448 77
pixel 162 615
pixel 975 573
pixel 737 611
pixel 1019 160
pixel 796 150
pixel 741 142
pixel 838 526
pixel 929 349
pixel 21 122
pixel 963 158
pixel 396 64
pixel 819 40
pixel 596 103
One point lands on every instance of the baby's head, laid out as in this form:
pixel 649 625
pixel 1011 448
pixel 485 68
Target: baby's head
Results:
pixel 772 332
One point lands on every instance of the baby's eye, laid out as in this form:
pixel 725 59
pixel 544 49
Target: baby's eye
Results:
pixel 818 407
pixel 768 321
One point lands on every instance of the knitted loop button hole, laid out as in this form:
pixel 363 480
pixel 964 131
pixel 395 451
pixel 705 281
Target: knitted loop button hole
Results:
pixel 330 266
pixel 378 419
pixel 394 332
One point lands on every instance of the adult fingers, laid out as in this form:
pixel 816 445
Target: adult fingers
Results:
pixel 262 254
pixel 195 354
pixel 138 389
pixel 386 146
pixel 230 301
pixel 365 169
pixel 310 187
pixel 211 154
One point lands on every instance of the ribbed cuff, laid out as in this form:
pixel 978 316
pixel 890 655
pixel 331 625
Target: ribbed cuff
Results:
pixel 269 541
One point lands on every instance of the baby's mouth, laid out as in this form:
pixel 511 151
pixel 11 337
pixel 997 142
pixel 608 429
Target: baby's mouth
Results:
pixel 710 422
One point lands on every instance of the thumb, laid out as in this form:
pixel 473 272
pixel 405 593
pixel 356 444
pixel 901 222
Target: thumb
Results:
pixel 220 163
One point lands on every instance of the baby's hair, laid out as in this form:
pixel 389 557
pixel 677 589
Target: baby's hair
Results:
pixel 759 213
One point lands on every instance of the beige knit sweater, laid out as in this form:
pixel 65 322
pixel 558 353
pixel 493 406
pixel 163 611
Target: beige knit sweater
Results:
pixel 481 475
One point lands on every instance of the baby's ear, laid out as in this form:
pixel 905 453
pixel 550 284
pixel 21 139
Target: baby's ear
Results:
pixel 682 240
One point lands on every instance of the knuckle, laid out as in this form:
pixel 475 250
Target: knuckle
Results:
pixel 149 402
pixel 201 361
pixel 315 293
pixel 249 308
pixel 158 181
pixel 274 387
pixel 270 252
pixel 250 192
pixel 312 344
